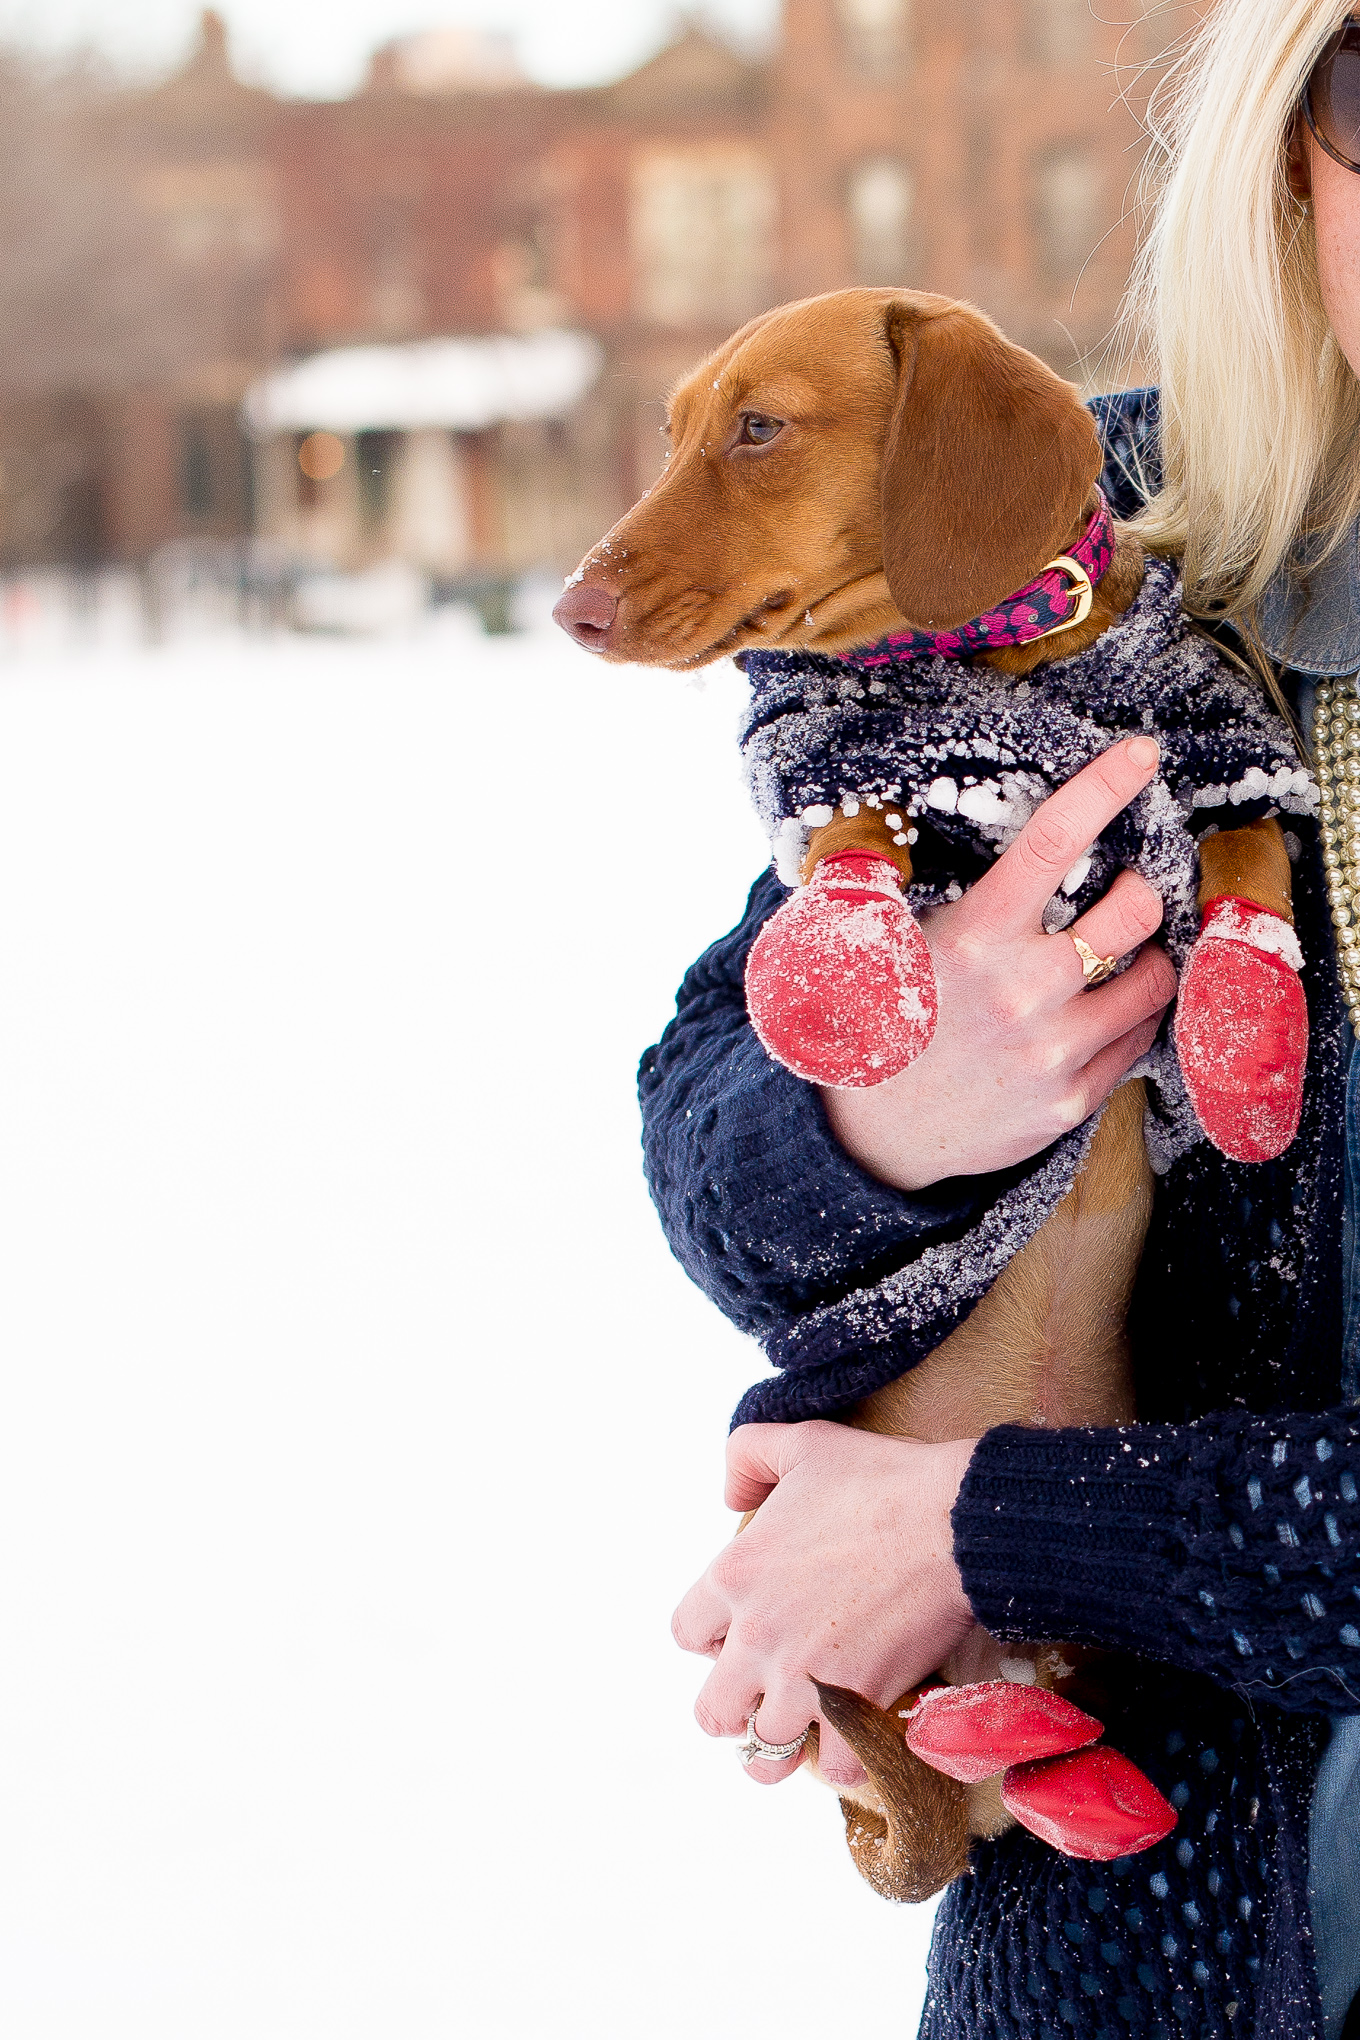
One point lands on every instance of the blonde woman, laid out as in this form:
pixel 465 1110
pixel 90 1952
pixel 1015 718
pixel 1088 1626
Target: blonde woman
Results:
pixel 1218 1542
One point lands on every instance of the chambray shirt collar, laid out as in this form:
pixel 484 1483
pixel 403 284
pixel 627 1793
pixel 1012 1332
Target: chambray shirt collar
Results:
pixel 1311 621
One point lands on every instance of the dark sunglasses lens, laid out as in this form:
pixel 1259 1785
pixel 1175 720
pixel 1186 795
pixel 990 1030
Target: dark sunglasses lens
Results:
pixel 1335 100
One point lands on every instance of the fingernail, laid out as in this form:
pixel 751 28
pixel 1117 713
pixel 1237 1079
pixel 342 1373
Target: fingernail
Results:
pixel 1144 752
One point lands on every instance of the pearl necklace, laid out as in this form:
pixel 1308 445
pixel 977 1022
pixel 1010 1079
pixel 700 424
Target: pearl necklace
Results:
pixel 1336 746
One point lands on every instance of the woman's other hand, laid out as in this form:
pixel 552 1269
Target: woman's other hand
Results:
pixel 846 1575
pixel 1022 1051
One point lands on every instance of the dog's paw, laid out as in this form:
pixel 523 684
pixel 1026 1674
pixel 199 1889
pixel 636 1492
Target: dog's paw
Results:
pixel 1241 1030
pixel 839 982
pixel 1095 1804
pixel 972 1732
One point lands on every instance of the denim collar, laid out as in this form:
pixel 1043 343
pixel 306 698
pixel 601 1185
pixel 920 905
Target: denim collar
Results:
pixel 1312 621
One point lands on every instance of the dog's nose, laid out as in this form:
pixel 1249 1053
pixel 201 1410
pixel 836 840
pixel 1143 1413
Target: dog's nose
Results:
pixel 586 614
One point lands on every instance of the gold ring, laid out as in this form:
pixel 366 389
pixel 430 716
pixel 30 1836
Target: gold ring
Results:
pixel 1095 969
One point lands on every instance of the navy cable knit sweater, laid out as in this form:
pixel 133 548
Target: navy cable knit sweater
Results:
pixel 1220 1551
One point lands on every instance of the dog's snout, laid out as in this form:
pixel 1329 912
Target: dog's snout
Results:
pixel 586 614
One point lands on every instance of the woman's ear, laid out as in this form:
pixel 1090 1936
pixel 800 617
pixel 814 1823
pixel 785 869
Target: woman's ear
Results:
pixel 987 464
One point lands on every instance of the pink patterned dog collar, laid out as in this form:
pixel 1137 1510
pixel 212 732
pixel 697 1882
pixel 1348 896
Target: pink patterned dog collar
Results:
pixel 1059 598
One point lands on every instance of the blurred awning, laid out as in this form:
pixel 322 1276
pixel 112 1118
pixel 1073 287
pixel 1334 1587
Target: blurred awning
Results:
pixel 460 385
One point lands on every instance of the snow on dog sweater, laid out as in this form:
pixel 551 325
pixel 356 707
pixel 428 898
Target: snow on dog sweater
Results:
pixel 966 755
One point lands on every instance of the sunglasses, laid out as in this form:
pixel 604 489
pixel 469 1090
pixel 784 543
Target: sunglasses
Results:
pixel 1331 98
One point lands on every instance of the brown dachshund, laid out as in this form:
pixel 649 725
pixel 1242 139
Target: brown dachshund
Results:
pixel 842 469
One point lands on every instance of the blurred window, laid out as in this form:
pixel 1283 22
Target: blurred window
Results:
pixel 397 305
pixel 375 460
pixel 196 470
pixel 214 208
pixel 1060 31
pixel 876 33
pixel 1066 209
pixel 703 232
pixel 214 469
pixel 881 192
pixel 522 278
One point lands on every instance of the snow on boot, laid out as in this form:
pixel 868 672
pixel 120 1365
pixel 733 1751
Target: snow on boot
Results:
pixel 972 1732
pixel 1241 1030
pixel 1095 1804
pixel 839 983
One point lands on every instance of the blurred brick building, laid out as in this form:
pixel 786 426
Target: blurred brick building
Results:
pixel 983 150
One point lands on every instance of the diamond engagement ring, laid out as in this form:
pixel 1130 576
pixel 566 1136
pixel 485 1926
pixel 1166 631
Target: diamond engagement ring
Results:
pixel 769 1752
pixel 1095 969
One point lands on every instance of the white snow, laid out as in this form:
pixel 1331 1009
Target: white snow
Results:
pixel 459 384
pixel 1074 879
pixel 1229 921
pixel 357 1431
pixel 983 803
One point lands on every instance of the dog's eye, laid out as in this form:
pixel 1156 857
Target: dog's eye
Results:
pixel 757 429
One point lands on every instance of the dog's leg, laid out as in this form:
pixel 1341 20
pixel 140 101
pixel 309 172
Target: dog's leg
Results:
pixel 1241 1018
pixel 839 983
pixel 1248 864
pixel 869 833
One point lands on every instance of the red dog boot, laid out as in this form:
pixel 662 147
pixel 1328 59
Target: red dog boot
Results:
pixel 1241 1030
pixel 839 982
pixel 1095 1804
pixel 972 1732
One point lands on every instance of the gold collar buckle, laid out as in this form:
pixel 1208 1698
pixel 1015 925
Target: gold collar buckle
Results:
pixel 1081 590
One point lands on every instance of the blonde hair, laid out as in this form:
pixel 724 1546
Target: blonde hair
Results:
pixel 1260 410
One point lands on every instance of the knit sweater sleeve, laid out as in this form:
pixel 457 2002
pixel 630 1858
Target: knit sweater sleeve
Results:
pixel 760 1203
pixel 1229 1546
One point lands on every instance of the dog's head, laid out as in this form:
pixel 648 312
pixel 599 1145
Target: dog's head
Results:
pixel 840 468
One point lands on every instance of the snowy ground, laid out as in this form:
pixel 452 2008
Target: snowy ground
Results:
pixel 357 1432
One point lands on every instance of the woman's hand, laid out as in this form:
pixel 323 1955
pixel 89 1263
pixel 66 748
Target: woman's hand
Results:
pixel 846 1575
pixel 1022 1051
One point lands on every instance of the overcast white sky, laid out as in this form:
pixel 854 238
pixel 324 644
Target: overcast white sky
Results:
pixel 320 46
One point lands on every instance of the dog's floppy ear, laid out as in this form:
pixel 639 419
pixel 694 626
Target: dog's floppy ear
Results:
pixel 988 461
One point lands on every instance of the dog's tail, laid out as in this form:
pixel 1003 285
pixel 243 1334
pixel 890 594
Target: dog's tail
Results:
pixel 917 1842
